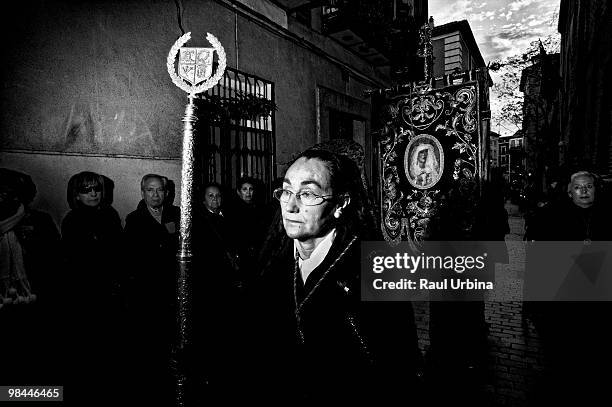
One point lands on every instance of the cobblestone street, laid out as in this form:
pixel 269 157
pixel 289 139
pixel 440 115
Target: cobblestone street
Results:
pixel 515 358
pixel 515 361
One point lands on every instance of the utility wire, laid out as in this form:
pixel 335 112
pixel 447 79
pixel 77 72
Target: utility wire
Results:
pixel 179 14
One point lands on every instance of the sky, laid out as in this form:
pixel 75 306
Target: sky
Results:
pixel 501 28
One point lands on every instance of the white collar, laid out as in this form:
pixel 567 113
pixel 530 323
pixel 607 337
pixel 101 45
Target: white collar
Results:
pixel 220 213
pixel 317 256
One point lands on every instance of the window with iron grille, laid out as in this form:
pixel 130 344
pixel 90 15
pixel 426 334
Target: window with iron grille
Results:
pixel 239 146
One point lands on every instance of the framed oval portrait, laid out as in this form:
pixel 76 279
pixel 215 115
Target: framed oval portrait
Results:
pixel 423 161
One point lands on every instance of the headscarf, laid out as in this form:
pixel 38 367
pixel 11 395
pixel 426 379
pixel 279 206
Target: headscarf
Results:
pixel 14 284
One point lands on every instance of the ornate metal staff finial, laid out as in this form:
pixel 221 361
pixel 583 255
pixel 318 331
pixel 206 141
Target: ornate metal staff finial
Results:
pixel 194 76
pixel 425 50
pixel 195 65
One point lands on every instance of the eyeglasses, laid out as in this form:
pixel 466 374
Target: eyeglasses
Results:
pixel 155 190
pixel 306 198
pixel 584 188
pixel 88 189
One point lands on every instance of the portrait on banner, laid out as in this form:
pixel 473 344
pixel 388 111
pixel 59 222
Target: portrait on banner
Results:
pixel 423 161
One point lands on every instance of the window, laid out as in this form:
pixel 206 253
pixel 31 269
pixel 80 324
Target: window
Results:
pixel 516 142
pixel 340 125
pixel 242 146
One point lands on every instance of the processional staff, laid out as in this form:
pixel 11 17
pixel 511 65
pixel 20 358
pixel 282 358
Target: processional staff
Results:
pixel 194 76
pixel 425 50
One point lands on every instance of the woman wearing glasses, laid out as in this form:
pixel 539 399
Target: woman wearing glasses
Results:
pixel 324 344
pixel 91 242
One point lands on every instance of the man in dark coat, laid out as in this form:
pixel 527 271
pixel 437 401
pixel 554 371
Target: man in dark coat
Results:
pixel 575 336
pixel 584 216
pixel 152 232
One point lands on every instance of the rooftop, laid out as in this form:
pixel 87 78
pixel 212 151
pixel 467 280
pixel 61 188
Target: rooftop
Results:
pixel 466 32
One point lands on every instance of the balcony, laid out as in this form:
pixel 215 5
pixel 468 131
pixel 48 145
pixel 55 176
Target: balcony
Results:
pixel 382 32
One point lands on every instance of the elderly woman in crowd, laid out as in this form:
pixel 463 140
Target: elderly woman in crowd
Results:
pixel 316 337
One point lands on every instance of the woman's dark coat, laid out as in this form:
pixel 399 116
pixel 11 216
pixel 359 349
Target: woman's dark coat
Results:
pixel 91 241
pixel 320 342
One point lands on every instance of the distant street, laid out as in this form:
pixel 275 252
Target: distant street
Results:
pixel 515 359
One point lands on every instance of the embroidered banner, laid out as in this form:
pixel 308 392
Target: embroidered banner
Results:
pixel 431 146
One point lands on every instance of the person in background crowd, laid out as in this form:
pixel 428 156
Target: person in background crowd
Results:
pixel 319 342
pixel 554 195
pixel 92 228
pixel 272 212
pixel 217 286
pixel 574 335
pixel 92 247
pixel 492 221
pixel 248 219
pixel 36 233
pixel 170 192
pixel 29 285
pixel 152 233
pixel 213 198
pixel 585 216
pixel 221 238
pixel 458 331
pixel 245 189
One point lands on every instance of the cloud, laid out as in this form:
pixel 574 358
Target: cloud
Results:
pixel 516 34
pixel 455 11
pixel 511 26
pixel 520 4
pixel 494 48
pixel 533 23
pixel 483 15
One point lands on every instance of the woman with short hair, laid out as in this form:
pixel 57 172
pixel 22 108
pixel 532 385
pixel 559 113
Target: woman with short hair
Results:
pixel 91 230
pixel 91 244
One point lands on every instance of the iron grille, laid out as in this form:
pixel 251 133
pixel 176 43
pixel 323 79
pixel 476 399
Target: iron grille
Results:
pixel 239 147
